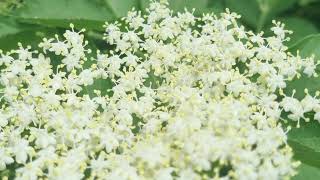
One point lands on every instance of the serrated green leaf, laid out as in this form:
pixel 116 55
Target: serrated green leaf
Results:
pixel 61 12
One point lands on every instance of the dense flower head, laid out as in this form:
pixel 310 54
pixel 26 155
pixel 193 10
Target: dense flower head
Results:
pixel 177 97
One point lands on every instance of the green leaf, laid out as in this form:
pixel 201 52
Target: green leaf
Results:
pixel 248 9
pixel 305 140
pixel 307 172
pixel 61 12
pixel 256 13
pixel 305 154
pixel 307 47
pixel 12 32
pixel 121 8
pixel 7 26
pixel 307 135
pixel 28 37
pixel 300 27
pixel 299 84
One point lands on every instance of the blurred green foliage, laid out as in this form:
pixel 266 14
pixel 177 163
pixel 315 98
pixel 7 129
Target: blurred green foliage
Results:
pixel 28 21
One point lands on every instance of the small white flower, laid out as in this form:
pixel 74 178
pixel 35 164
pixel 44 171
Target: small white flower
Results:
pixel 21 149
pixel 5 159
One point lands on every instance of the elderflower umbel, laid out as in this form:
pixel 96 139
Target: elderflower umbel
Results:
pixel 168 102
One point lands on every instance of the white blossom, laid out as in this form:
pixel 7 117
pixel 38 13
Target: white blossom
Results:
pixel 166 101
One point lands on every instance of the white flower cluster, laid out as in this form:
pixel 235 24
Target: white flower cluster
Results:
pixel 191 98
